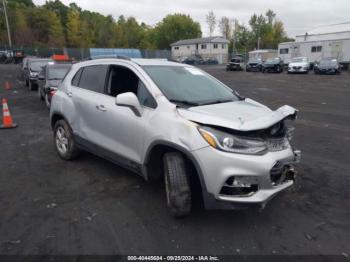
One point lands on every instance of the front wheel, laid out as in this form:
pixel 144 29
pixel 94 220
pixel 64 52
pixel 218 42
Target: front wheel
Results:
pixel 64 141
pixel 177 186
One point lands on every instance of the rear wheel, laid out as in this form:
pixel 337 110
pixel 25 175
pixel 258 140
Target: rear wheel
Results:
pixel 47 101
pixel 40 95
pixel 64 141
pixel 177 186
pixel 30 86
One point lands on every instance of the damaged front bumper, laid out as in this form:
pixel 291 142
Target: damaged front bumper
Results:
pixel 234 181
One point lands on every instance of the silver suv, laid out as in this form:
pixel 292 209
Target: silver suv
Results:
pixel 168 120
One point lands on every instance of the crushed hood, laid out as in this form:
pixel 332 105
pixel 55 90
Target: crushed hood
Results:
pixel 246 115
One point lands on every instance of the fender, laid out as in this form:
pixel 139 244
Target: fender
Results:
pixel 183 150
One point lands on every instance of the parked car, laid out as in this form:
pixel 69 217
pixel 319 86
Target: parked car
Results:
pixel 236 64
pixel 254 65
pixel 211 61
pixel 166 120
pixel 49 78
pixel 274 65
pixel 32 71
pixel 299 65
pixel 327 66
pixel 194 60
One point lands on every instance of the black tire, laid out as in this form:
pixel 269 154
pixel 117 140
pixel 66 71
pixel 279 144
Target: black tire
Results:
pixel 40 94
pixel 30 86
pixel 177 185
pixel 47 101
pixel 71 151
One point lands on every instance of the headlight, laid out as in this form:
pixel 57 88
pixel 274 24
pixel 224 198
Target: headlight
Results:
pixel 33 74
pixel 232 143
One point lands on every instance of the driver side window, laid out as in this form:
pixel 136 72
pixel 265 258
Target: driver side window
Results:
pixel 122 80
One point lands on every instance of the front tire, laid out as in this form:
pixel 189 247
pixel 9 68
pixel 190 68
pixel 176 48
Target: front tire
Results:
pixel 64 141
pixel 177 186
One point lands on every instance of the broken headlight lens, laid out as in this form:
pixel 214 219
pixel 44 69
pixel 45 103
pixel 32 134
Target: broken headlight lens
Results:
pixel 290 133
pixel 232 143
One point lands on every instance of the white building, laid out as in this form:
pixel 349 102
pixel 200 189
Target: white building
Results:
pixel 207 47
pixel 322 42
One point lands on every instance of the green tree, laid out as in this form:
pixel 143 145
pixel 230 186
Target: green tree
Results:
pixel 173 28
pixel 26 3
pixel 73 28
pixel 21 32
pixel 56 35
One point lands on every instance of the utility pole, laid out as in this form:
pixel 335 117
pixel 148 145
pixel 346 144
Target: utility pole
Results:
pixel 7 24
pixel 259 39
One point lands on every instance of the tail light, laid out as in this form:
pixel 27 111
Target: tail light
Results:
pixel 52 91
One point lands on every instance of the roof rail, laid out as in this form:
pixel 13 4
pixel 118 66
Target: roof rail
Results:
pixel 108 57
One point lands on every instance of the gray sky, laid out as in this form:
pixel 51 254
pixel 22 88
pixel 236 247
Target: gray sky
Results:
pixel 299 16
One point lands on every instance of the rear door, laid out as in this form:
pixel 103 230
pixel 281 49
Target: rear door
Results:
pixel 86 85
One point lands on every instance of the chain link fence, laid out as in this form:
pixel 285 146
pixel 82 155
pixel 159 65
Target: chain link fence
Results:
pixel 80 54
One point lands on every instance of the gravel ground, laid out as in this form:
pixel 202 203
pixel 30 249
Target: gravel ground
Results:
pixel 91 206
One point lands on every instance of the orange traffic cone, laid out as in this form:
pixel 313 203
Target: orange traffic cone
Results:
pixel 7 85
pixel 7 119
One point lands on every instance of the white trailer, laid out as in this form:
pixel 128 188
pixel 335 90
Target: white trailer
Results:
pixel 316 50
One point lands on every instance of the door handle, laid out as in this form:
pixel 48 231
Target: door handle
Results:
pixel 101 108
pixel 70 94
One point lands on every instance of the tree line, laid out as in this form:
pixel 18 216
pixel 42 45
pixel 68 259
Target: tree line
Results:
pixel 55 24
pixel 264 31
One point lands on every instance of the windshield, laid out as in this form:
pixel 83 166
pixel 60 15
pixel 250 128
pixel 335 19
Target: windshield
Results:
pixel 328 62
pixel 37 65
pixel 299 60
pixel 189 85
pixel 236 60
pixel 58 73
pixel 255 61
pixel 272 60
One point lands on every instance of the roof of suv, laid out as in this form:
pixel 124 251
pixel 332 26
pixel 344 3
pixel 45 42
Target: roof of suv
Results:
pixel 155 62
pixel 139 61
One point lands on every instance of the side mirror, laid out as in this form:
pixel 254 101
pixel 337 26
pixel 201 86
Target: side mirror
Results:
pixel 129 100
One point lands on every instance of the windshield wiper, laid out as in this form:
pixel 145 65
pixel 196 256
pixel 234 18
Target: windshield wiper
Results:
pixel 217 102
pixel 184 102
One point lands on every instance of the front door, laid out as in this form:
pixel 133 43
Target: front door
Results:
pixel 121 130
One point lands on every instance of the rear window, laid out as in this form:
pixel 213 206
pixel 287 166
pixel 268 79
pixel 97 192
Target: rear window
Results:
pixel 76 78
